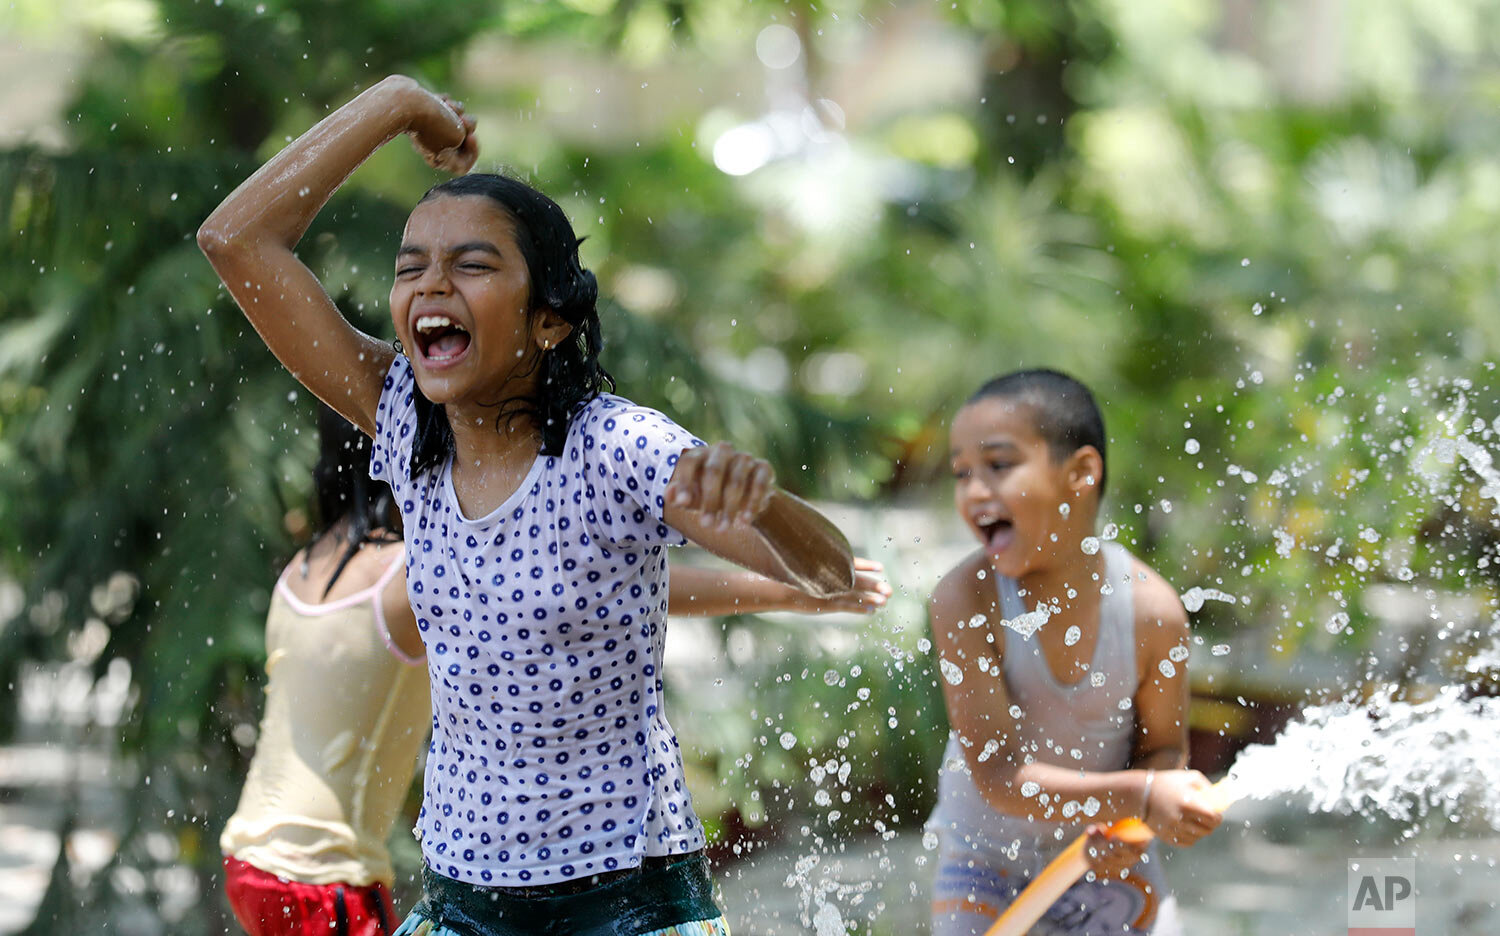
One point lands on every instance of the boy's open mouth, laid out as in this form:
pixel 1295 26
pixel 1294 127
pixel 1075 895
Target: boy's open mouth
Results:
pixel 996 532
pixel 439 338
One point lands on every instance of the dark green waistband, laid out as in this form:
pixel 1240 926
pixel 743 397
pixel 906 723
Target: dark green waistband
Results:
pixel 652 899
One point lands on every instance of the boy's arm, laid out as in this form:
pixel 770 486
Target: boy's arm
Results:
pixel 979 711
pixel 727 502
pixel 1161 701
pixel 1161 707
pixel 251 237
pixel 716 592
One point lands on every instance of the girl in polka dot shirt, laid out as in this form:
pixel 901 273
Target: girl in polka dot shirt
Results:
pixel 537 509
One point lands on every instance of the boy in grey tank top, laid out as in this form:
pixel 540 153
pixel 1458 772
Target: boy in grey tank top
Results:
pixel 1064 679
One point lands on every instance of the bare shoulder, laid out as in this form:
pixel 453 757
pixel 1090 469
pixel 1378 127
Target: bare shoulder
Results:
pixel 373 559
pixel 966 590
pixel 310 573
pixel 1160 618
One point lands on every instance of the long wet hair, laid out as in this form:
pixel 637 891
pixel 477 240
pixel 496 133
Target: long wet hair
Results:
pixel 571 374
pixel 1063 411
pixel 349 504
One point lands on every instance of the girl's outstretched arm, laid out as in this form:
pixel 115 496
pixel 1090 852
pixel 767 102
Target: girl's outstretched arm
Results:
pixel 728 503
pixel 705 592
pixel 251 237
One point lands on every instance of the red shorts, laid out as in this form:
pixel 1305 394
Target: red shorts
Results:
pixel 266 905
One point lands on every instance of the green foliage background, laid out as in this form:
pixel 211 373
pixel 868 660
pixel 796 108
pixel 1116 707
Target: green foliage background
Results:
pixel 1265 238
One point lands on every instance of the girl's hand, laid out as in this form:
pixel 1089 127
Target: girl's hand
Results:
pixel 868 595
pixel 440 123
pixel 726 486
pixel 1175 813
pixel 1109 855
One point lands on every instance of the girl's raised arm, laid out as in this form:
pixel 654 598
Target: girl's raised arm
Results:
pixel 251 237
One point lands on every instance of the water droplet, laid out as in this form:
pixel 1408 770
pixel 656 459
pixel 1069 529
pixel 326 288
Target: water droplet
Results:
pixel 1177 654
pixel 788 740
pixel 1191 447
pixel 1219 649
pixel 1193 598
pixel 951 673
pixel 1030 788
pixel 1167 668
pixel 1096 679
pixel 1090 545
pixel 1028 623
pixel 1111 531
pixel 831 678
pixel 1337 623
pixel 1073 635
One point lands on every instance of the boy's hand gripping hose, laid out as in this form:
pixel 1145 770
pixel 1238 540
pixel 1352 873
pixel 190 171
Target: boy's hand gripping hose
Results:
pixel 1073 863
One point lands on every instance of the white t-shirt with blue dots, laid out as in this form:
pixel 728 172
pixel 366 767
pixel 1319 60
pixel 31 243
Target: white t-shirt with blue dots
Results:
pixel 551 756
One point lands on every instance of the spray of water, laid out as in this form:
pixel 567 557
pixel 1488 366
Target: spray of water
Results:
pixel 820 893
pixel 1408 761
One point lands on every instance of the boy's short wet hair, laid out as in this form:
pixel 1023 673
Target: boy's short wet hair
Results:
pixel 1063 411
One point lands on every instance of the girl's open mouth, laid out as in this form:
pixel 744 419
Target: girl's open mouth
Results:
pixel 439 339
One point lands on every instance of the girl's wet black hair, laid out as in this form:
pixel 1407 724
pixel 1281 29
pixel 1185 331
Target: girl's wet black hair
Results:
pixel 348 501
pixel 571 373
pixel 1063 411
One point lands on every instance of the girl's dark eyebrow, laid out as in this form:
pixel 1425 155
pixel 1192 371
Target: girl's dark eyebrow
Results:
pixel 483 246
